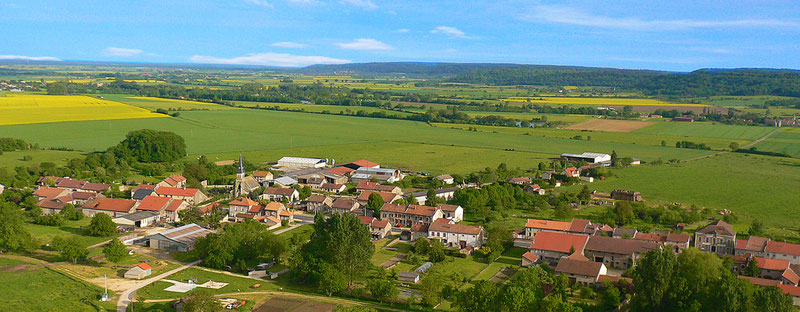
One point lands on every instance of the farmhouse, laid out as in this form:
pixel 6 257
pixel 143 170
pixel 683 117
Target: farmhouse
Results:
pixel 387 197
pixel 178 239
pixel 190 195
pixel 139 271
pixel 717 237
pixel 279 193
pixel 445 178
pixel 374 186
pixel 262 176
pixel 534 188
pixel 317 203
pixel 534 226
pixel 142 190
pixel 443 193
pixel 378 228
pixel 571 172
pixel 381 174
pixel 580 270
pixel 519 180
pixel 406 216
pixel 454 213
pixel 591 158
pixel 333 188
pixel 112 206
pixel 617 252
pixel 300 162
pixel 175 180
pixel 456 235
pixel 241 205
pixel 344 205
pixel 50 192
pixel 764 247
pixel 137 220
pixel 73 185
pixel 548 175
pixel 626 195
pixel 676 242
pixel 166 208
pixel 552 246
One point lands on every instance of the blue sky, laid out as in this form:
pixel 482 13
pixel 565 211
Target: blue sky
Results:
pixel 666 35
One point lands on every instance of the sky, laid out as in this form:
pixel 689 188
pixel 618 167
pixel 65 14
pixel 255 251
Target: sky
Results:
pixel 662 35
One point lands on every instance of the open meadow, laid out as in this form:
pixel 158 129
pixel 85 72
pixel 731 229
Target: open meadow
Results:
pixel 152 103
pixel 28 109
pixel 786 141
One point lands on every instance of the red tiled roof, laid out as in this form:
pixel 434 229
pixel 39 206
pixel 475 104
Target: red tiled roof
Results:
pixel 143 187
pixel 577 256
pixel 364 163
pixel 340 170
pixel 177 178
pixel 273 219
pixel 366 220
pixel 279 191
pixel 95 187
pixel 519 180
pixel 175 205
pixel 111 204
pixel 83 195
pixel 421 210
pixel 51 204
pixel 393 208
pixel 367 185
pixel 261 173
pixel 755 243
pixel 530 256
pixel 153 203
pixel 332 186
pixel 791 275
pixel 144 266
pixel 443 225
pixel 571 171
pixel 578 225
pixel 274 206
pixel 254 209
pixel 559 242
pixel 209 207
pixel 316 198
pixel 380 223
pixel 678 238
pixel 760 281
pixel 719 227
pixel 579 267
pixel 619 245
pixel 741 243
pixel 793 291
pixel 385 188
pixel 547 225
pixel 343 203
pixel 783 248
pixel 613 279
pixel 176 191
pixel 446 207
pixel 387 197
pixel 49 192
pixel 419 227
pixel 70 183
pixel 286 213
pixel 772 264
pixel 243 201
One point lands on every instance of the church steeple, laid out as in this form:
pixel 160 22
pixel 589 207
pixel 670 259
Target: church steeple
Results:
pixel 241 166
pixel 238 186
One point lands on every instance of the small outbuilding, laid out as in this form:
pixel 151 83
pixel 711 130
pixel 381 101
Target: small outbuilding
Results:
pixel 140 271
pixel 408 277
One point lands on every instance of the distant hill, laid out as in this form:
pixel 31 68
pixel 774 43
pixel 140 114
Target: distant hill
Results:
pixel 408 68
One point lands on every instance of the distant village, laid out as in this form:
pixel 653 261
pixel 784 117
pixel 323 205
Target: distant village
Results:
pixel 586 252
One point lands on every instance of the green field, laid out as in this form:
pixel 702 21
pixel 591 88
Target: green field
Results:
pixel 785 141
pixel 43 289
pixel 153 104
pixel 44 234
pixel 312 108
pixel 735 101
pixel 690 130
pixel 752 186
pixel 14 159
pixel 267 135
pixel 235 284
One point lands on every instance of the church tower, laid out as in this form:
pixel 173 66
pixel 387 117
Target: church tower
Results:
pixel 238 186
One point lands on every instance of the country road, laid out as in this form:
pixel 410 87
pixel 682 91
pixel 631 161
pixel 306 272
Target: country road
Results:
pixel 743 147
pixel 125 296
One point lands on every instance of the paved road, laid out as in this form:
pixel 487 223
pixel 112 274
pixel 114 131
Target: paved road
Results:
pixel 125 296
pixel 296 225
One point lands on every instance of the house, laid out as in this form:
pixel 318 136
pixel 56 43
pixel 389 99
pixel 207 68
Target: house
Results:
pixel 571 172
pixel 241 205
pixel 112 206
pixel 278 210
pixel 419 230
pixel 406 216
pixel 139 271
pixel 377 187
pixel 154 204
pixel 209 208
pixel 445 178
pixel 591 158
pixel 73 185
pixel 552 246
pixel 314 180
pixel 764 247
pixel 626 195
pixel 548 175
pixel 624 233
pixel 54 205
pixel 676 242
pixel 136 220
pixel 580 270
pixel 360 163
pixel 534 226
pixel 792 291
pixel 587 179
pixel 50 192
pixel 378 228
pixel 344 205
pixel 456 235
pixel 443 193
pixel 279 193
pixel 341 171
pixel 534 188
pixel 284 181
pixel 617 252
pixel 262 176
pixel 333 188
pixel 142 190
pixel 529 259
pixel 454 213
pixel 380 174
pixel 272 222
pixel 519 180
pixel 387 197
pixel 317 203
pixel 175 180
pixel 408 277
pixel 775 269
pixel 190 195
pixel 717 237
pixel 301 162
pixel 178 239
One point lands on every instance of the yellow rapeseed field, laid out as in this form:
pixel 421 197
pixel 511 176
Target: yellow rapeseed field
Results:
pixel 18 109
pixel 596 101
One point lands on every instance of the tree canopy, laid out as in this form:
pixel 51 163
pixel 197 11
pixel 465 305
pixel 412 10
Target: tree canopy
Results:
pixel 147 145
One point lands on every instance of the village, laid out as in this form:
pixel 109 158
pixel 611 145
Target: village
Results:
pixel 587 253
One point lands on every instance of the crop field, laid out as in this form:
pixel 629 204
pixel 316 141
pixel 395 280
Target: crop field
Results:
pixel 152 103
pixel 786 141
pixel 708 130
pixel 565 118
pixel 313 108
pixel 738 101
pixel 597 101
pixel 419 145
pixel 611 125
pixel 600 136
pixel 750 185
pixel 28 109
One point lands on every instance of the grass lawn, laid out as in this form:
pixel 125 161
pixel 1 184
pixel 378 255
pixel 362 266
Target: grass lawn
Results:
pixel 689 130
pixel 304 231
pixel 787 141
pixel 44 234
pixel 43 289
pixel 235 284
pixel 16 158
pixel 11 261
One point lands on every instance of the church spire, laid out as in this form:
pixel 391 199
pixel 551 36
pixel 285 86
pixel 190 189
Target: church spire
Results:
pixel 241 165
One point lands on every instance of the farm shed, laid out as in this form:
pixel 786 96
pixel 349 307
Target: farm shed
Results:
pixel 140 271
pixel 178 239
pixel 408 277
pixel 136 220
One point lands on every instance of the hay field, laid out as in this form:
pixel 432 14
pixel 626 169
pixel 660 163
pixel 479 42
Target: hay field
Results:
pixel 611 125
pixel 29 109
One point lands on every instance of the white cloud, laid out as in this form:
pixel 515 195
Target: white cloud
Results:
pixel 28 58
pixel 263 3
pixel 364 4
pixel 304 2
pixel 270 59
pixel 365 44
pixel 402 30
pixel 572 16
pixel 121 52
pixel 449 31
pixel 289 44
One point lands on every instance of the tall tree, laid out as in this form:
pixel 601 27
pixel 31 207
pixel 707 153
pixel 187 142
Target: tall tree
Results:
pixel 374 203
pixel 71 248
pixel 202 301
pixel 102 225
pixel 13 235
pixel 114 251
pixel 652 280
